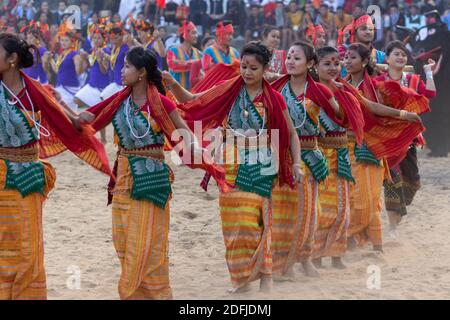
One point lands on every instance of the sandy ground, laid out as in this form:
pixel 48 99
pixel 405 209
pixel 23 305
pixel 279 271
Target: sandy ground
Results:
pixel 78 241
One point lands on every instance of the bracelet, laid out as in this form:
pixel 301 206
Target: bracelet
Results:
pixel 403 114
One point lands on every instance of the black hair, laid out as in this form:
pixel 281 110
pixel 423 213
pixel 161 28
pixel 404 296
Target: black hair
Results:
pixel 310 54
pixel 396 44
pixel 364 53
pixel 268 29
pixel 13 44
pixel 308 49
pixel 325 51
pixel 116 30
pixel 146 58
pixel 257 49
pixel 206 39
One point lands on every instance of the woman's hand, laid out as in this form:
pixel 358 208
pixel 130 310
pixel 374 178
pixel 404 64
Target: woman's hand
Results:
pixel 86 117
pixel 298 173
pixel 430 66
pixel 413 117
pixel 168 78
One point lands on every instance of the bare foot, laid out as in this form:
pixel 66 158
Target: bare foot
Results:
pixel 337 263
pixel 243 289
pixel 289 275
pixel 310 270
pixel 266 284
pixel 317 263
pixel 378 248
pixel 351 243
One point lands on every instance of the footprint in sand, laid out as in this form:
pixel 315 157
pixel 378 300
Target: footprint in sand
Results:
pixel 189 215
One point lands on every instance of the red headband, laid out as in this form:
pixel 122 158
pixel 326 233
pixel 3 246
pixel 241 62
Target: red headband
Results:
pixel 364 20
pixel 185 28
pixel 319 29
pixel 311 32
pixel 223 30
pixel 342 31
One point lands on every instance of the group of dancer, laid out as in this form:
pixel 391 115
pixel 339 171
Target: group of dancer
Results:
pixel 324 147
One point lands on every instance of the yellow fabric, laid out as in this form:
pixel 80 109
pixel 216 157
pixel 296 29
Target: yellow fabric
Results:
pixel 140 236
pixel 22 272
pixel 365 202
pixel 246 232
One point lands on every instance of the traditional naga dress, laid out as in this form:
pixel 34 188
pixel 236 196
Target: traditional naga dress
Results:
pixel 179 69
pixel 34 128
pixel 296 211
pixel 97 81
pixel 399 193
pixel 67 82
pixel 384 137
pixel 141 192
pixel 36 71
pixel 331 235
pixel 246 209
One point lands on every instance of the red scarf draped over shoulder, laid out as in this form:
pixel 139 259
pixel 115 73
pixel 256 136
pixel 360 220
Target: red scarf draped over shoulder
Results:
pixel 105 111
pixel 63 135
pixel 385 136
pixel 214 105
pixel 216 74
pixel 320 95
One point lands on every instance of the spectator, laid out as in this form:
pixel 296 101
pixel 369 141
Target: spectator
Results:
pixel 358 10
pixel 45 9
pixel 269 12
pixel 216 11
pixel 293 23
pixel 151 11
pixel 62 6
pixel 341 19
pixel 446 18
pixel 170 12
pixel 429 6
pixel 255 22
pixel 280 17
pixel 24 10
pixel 394 18
pixel 236 13
pixel 309 8
pixel 414 20
pixel 86 13
pixel 326 20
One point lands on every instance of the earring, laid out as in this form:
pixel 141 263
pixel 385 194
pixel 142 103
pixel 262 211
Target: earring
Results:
pixel 140 78
pixel 12 65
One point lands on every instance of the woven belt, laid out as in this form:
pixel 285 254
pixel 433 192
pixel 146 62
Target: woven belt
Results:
pixel 22 154
pixel 334 142
pixel 146 152
pixel 351 136
pixel 309 143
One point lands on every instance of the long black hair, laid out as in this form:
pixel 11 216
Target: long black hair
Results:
pixel 364 53
pixel 13 44
pixel 146 58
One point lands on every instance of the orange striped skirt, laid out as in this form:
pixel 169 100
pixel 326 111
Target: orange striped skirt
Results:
pixel 294 223
pixel 330 239
pixel 365 202
pixel 140 236
pixel 22 272
pixel 247 235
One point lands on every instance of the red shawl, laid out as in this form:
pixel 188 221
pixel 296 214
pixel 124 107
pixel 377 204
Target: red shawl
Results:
pixel 213 107
pixel 105 111
pixel 63 135
pixel 386 136
pixel 321 95
pixel 216 74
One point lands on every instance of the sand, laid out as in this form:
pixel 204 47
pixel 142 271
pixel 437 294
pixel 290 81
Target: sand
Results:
pixel 78 241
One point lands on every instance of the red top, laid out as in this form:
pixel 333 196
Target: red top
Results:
pixel 421 87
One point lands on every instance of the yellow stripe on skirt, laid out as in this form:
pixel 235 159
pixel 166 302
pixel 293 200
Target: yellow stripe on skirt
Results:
pixel 330 239
pixel 294 222
pixel 140 236
pixel 246 228
pixel 365 202
pixel 22 272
